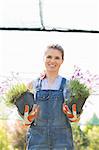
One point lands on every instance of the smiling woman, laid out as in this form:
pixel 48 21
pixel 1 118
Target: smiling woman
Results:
pixel 50 127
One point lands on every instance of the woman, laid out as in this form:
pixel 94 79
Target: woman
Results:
pixel 49 121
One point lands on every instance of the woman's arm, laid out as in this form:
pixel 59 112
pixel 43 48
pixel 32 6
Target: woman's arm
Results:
pixel 30 86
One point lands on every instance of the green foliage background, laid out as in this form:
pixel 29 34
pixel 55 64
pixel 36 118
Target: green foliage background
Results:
pixel 88 138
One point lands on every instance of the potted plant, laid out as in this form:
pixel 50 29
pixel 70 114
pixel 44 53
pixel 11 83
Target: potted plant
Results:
pixel 79 88
pixel 78 94
pixel 19 95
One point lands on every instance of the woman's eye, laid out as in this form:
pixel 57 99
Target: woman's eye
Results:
pixel 49 57
pixel 57 57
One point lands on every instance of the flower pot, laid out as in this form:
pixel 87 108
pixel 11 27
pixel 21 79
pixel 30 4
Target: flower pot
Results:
pixel 26 98
pixel 79 105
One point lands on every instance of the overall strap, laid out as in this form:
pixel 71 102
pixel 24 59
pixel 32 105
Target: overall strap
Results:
pixel 38 84
pixel 63 84
pixel 37 88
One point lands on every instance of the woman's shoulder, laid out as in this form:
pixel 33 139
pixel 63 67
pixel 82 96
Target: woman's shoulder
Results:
pixel 65 78
pixel 32 84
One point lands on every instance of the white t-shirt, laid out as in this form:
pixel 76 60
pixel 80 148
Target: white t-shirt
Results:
pixel 55 86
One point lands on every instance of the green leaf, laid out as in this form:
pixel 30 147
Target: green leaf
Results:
pixel 78 90
pixel 14 92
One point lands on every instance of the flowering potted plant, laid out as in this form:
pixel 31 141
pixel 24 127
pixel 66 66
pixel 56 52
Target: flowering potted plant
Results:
pixel 19 95
pixel 80 87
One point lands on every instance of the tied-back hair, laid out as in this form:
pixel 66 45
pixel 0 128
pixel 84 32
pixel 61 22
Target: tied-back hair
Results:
pixel 57 47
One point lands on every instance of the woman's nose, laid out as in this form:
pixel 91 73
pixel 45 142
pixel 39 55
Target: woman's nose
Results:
pixel 52 60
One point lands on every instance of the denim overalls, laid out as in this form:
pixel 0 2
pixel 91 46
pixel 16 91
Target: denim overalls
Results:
pixel 51 130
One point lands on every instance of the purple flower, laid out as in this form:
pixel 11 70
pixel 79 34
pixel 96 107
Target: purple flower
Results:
pixel 90 80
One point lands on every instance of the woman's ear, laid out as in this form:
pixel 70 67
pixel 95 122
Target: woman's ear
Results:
pixel 62 61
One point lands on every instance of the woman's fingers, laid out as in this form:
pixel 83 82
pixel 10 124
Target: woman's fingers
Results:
pixel 26 111
pixel 74 110
pixel 26 108
pixel 66 109
pixel 34 113
pixel 71 115
pixel 31 117
pixel 35 109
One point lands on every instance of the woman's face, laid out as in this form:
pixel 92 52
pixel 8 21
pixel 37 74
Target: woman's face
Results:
pixel 53 60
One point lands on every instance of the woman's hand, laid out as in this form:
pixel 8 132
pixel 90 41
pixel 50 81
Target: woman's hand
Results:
pixel 71 116
pixel 29 117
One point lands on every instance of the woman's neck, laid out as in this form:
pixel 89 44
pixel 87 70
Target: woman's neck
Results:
pixel 51 77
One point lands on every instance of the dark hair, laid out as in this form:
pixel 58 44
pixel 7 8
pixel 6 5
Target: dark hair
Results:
pixel 58 47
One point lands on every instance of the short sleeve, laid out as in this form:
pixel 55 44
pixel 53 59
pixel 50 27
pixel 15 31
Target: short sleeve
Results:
pixel 31 86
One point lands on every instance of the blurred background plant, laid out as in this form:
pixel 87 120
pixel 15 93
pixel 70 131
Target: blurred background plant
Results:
pixel 17 136
pixel 4 141
pixel 86 78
